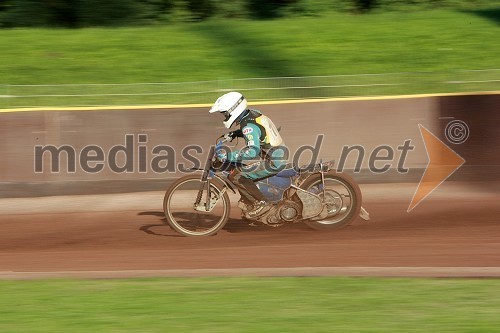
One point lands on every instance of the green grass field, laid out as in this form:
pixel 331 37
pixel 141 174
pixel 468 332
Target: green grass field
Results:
pixel 251 305
pixel 440 43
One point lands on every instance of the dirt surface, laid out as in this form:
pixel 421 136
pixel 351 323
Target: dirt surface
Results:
pixel 450 229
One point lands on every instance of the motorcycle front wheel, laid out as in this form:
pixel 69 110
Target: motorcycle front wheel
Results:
pixel 188 220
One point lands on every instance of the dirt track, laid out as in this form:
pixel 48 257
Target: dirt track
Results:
pixel 448 230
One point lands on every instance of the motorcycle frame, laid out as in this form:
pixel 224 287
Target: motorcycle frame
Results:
pixel 209 173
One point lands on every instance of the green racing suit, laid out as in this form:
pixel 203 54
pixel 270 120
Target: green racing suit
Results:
pixel 262 141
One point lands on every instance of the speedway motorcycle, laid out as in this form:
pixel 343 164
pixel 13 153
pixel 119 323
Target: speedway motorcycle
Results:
pixel 199 205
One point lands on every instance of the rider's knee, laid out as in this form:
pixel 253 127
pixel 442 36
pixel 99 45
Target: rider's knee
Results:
pixel 236 178
pixel 231 176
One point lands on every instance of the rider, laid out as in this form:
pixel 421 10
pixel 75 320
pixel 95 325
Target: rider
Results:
pixel 262 140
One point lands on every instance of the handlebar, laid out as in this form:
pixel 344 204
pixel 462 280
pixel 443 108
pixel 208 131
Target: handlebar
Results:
pixel 228 137
pixel 222 165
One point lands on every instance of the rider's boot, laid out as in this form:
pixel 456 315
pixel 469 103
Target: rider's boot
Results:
pixel 259 208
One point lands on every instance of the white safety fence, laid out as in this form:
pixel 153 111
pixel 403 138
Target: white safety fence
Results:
pixel 256 89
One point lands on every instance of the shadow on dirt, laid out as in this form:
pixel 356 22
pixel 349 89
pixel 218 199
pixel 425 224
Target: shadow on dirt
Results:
pixel 165 231
pixel 232 226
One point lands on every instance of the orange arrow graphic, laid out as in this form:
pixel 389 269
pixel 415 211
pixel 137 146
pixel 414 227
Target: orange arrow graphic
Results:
pixel 443 162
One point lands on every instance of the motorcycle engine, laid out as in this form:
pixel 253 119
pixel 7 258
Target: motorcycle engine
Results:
pixel 286 211
pixel 289 210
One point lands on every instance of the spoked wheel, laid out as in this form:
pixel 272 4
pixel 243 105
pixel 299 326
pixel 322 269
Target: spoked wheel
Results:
pixel 342 198
pixel 185 218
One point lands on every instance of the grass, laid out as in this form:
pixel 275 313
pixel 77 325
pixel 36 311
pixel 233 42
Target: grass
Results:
pixel 438 42
pixel 251 305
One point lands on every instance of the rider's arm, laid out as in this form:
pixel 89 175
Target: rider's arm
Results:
pixel 251 133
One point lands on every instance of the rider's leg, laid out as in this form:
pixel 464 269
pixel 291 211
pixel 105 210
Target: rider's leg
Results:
pixel 248 190
pixel 250 193
pixel 268 167
pixel 245 178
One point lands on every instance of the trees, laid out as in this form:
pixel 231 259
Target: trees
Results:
pixel 82 13
pixel 66 13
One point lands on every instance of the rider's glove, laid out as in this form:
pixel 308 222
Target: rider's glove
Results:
pixel 221 155
pixel 232 135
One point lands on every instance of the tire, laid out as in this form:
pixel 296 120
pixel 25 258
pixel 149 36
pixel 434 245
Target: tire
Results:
pixel 337 219
pixel 178 206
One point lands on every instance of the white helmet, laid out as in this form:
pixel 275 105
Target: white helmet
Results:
pixel 231 105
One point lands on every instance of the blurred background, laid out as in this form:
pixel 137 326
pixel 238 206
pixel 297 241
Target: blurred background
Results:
pixel 76 73
pixel 142 52
pixel 161 63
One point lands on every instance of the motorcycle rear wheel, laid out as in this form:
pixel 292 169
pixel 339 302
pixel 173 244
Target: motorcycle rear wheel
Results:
pixel 178 206
pixel 343 198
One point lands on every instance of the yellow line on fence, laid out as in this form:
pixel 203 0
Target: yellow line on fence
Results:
pixel 293 101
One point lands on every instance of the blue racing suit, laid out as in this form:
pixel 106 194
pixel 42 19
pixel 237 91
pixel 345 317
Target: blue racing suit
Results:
pixel 262 141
